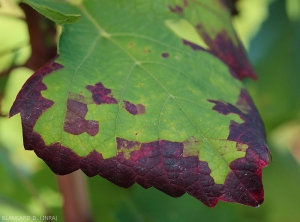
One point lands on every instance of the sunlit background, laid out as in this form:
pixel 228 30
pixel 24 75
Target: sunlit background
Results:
pixel 270 31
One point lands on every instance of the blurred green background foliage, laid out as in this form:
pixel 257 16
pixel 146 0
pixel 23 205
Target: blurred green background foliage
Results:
pixel 270 30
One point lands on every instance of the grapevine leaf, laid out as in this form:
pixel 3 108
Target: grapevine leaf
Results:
pixel 57 16
pixel 134 99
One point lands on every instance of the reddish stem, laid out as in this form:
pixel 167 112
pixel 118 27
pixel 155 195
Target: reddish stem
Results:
pixel 76 205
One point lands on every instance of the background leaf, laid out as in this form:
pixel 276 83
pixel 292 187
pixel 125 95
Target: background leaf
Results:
pixel 276 59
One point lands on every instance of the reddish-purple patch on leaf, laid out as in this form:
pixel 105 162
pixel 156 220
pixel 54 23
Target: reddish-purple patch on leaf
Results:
pixel 244 182
pixel 31 104
pixel 100 94
pixel 176 9
pixel 59 158
pixel 134 109
pixel 179 9
pixel 159 164
pixel 75 122
pixel 165 55
pixel 192 45
pixel 234 56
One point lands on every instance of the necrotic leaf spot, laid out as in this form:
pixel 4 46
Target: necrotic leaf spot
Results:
pixel 134 109
pixel 101 95
pixel 75 122
pixel 165 55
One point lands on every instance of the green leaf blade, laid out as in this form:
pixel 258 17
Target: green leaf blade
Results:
pixel 132 102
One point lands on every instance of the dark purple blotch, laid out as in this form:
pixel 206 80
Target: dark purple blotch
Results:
pixel 101 95
pixel 62 160
pixel 176 9
pixel 165 55
pixel 75 122
pixel 234 56
pixel 31 104
pixel 159 164
pixel 179 9
pixel 244 182
pixel 134 109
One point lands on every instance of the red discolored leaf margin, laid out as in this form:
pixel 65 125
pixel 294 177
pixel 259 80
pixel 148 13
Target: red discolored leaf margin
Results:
pixel 234 56
pixel 161 163
pixel 226 47
pixel 246 172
